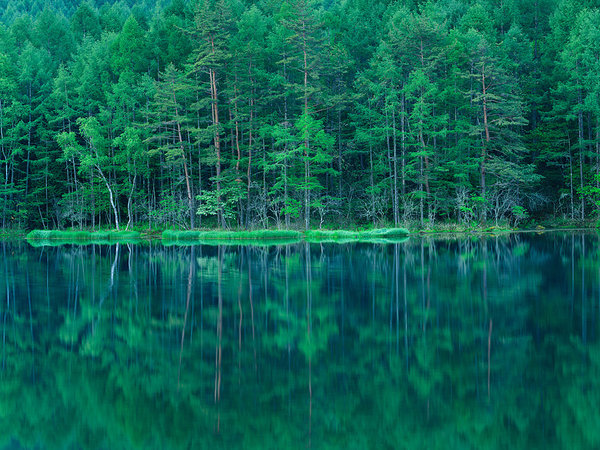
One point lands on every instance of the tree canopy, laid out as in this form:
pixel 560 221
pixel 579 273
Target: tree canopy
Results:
pixel 230 113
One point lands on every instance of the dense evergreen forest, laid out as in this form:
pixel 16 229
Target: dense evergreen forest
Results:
pixel 239 113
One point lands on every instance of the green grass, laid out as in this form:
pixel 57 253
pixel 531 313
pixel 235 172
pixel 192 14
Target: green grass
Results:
pixel 220 237
pixel 56 237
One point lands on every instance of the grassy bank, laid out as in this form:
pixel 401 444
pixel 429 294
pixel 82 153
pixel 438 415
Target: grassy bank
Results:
pixel 56 237
pixel 267 237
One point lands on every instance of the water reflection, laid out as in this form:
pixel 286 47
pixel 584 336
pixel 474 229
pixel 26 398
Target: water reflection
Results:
pixel 433 343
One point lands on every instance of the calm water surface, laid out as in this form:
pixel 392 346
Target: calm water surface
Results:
pixel 433 343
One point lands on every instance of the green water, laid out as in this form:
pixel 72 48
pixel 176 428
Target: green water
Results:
pixel 433 343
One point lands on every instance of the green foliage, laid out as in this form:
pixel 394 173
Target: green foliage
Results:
pixel 39 236
pixel 226 202
pixel 520 214
pixel 300 114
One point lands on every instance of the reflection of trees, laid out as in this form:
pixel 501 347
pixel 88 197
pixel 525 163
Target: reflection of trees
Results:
pixel 358 346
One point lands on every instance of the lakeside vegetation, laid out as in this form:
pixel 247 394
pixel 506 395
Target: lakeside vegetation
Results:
pixel 81 235
pixel 299 115
pixel 268 237
pixel 39 238
pixel 218 237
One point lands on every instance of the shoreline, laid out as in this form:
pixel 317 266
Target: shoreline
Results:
pixel 266 237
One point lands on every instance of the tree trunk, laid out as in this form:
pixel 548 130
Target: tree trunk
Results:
pixel 249 172
pixel 217 140
pixel 580 140
pixel 129 200
pixel 306 137
pixel 110 195
pixel 185 166
pixel 403 160
pixel 396 215
pixel 485 145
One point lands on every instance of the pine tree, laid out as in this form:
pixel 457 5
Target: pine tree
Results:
pixel 211 34
pixel 172 92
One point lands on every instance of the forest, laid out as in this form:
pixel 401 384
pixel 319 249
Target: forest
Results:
pixel 244 114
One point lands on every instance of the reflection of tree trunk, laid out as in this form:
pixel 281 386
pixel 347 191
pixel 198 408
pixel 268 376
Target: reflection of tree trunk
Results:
pixel 113 268
pixel 219 335
pixel 489 354
pixel 201 316
pixel 428 304
pixel 287 314
pixel 572 274
pixel 397 294
pixel 240 331
pixel 7 307
pixel 187 307
pixel 423 285
pixel 31 328
pixel 252 314
pixel 265 288
pixel 308 319
pixel 48 288
pixel 373 291
pixel 405 311
pixel 484 295
pixel 484 276
pixel 342 298
pixel 583 320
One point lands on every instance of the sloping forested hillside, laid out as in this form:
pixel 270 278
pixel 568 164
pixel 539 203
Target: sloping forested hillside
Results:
pixel 235 113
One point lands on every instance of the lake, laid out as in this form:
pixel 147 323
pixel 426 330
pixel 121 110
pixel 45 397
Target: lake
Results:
pixel 450 343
